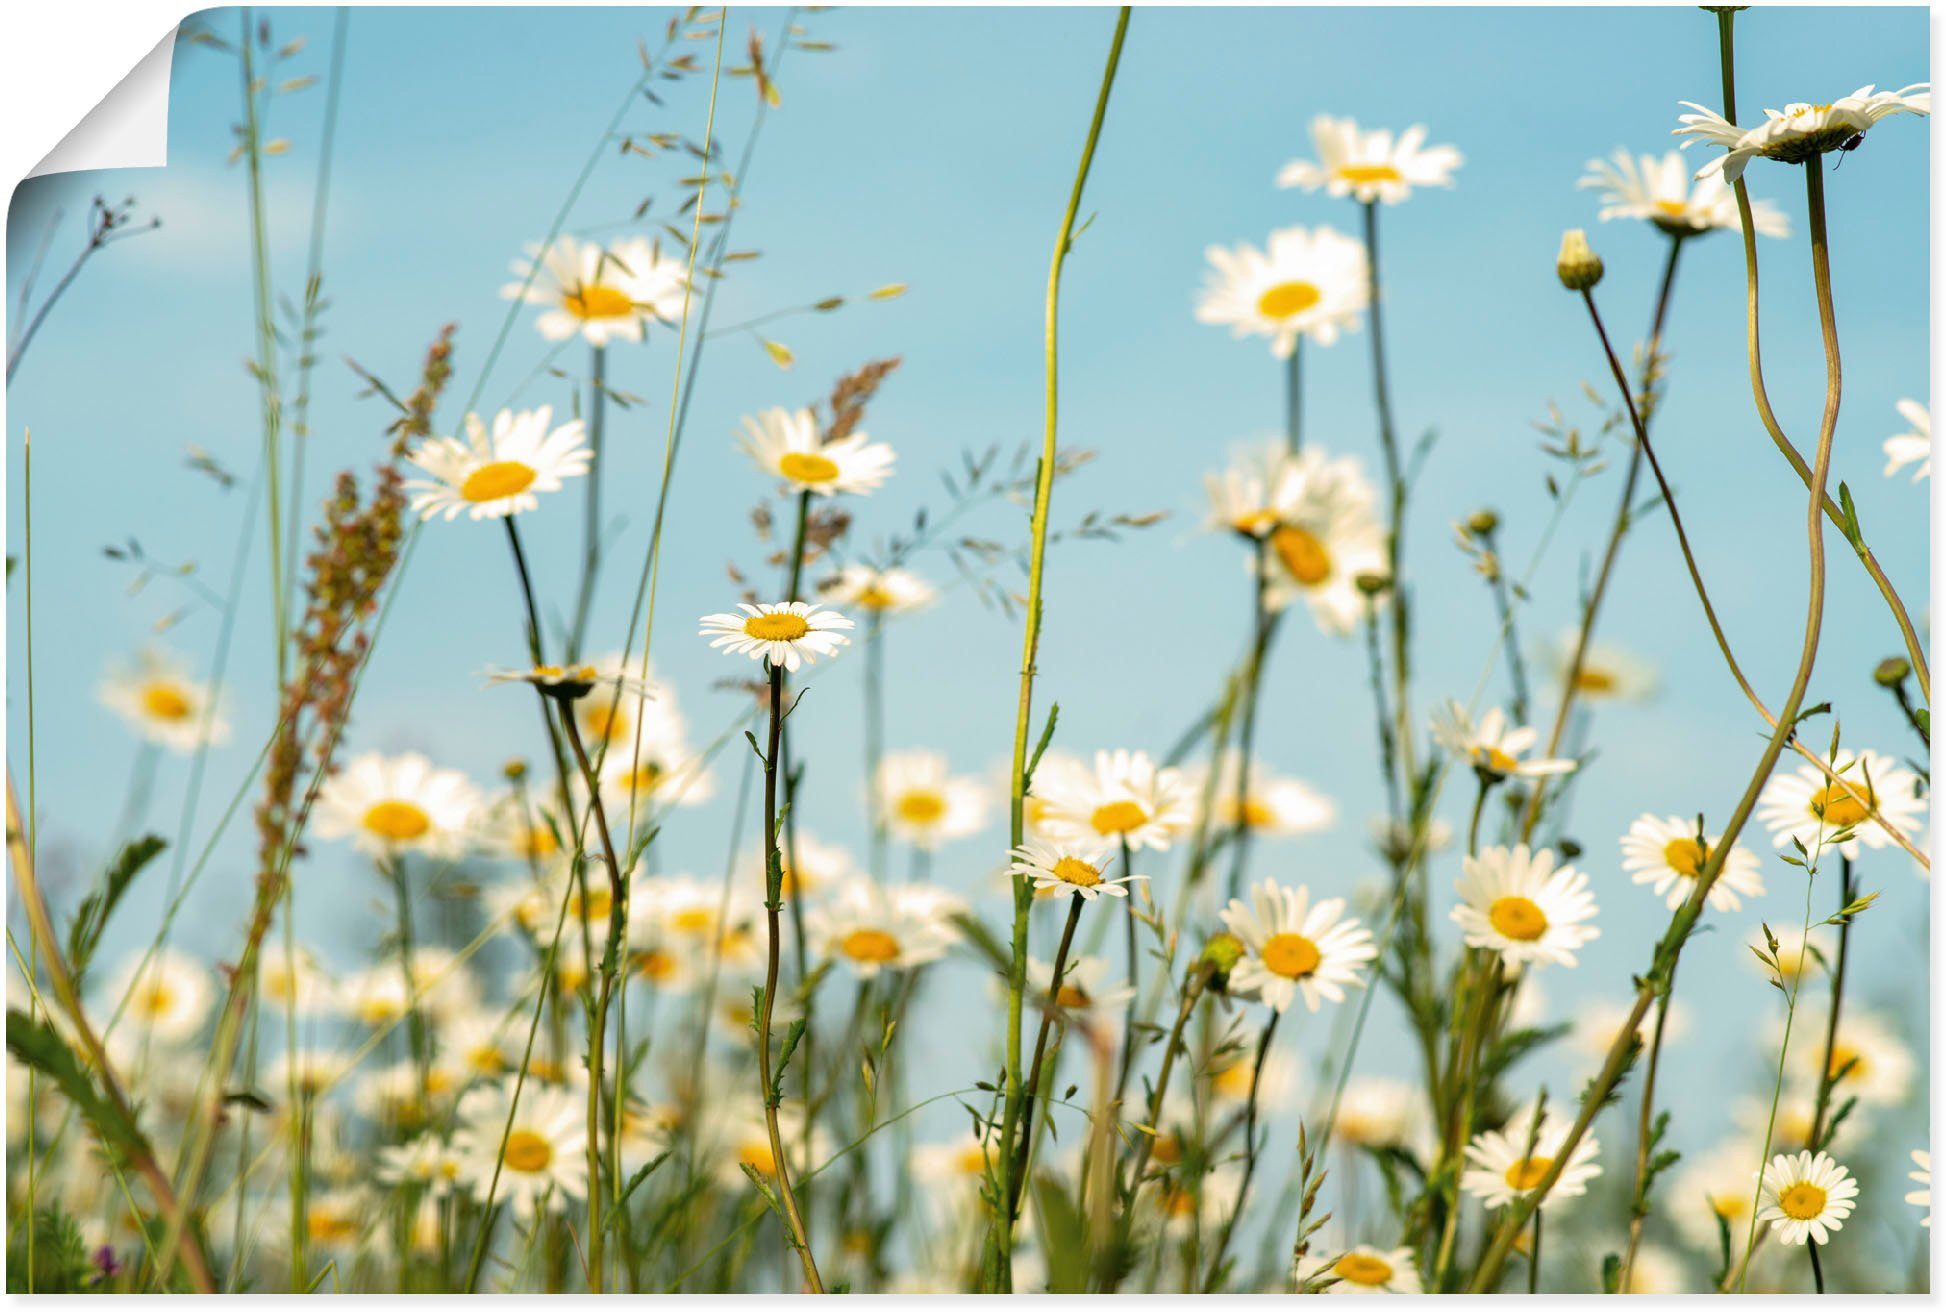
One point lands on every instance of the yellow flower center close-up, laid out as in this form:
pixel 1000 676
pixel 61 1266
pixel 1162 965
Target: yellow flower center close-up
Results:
pixel 1518 918
pixel 1365 174
pixel 871 945
pixel 167 701
pixel 757 1156
pixel 330 1227
pixel 396 821
pixel 497 480
pixel 1595 681
pixel 1684 856
pixel 807 467
pixel 693 920
pixel 920 806
pixel 1729 1206
pixel 972 1160
pixel 873 597
pixel 1119 817
pixel 782 626
pixel 1073 996
pixel 1287 300
pixel 1363 1269
pixel 527 1151
pixel 596 300
pixel 655 965
pixel 1843 804
pixel 1291 955
pixel 1528 1172
pixel 1801 1201
pixel 1303 553
pixel 1073 870
pixel 1495 760
pixel 157 1000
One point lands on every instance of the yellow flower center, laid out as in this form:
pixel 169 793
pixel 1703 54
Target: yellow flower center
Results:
pixel 497 479
pixel 1528 1172
pixel 1291 955
pixel 527 1151
pixel 1843 804
pixel 396 821
pixel 1119 817
pixel 166 701
pixel 1072 995
pixel 807 467
pixel 1234 1081
pixel 1842 1056
pixel 1684 856
pixel 1675 209
pixel 1256 813
pixel 1518 918
pixel 780 627
pixel 1801 1201
pixel 645 778
pixel 157 1000
pixel 601 718
pixel 1288 299
pixel 972 1160
pixel 1495 760
pixel 1167 1150
pixel 1357 174
pixel 596 300
pixel 871 945
pixel 693 920
pixel 330 1228
pixel 1729 1206
pixel 1595 681
pixel 1073 870
pixel 873 597
pixel 1363 1269
pixel 757 1156
pixel 487 1059
pixel 536 841
pixel 921 806
pixel 1303 553
pixel 655 965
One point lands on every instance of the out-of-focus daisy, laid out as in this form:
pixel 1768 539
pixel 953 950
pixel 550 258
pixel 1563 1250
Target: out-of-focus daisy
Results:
pixel 1370 164
pixel 1309 282
pixel 690 910
pixel 1797 1109
pixel 1232 1075
pixel 1089 992
pixel 1719 1183
pixel 491 474
pixel 1801 132
pixel 1660 190
pixel 427 1160
pixel 337 1224
pixel 1364 1270
pixel 953 1173
pixel 1796 951
pixel 482 1044
pixel 665 772
pixel 1656 1271
pixel 1807 806
pixel 623 704
pixel 311 1070
pixel 1903 449
pixel 1243 496
pixel 1181 1205
pixel 1327 535
pixel 1082 872
pixel 1400 840
pixel 1806 1197
pixel 878 591
pixel 1597 1024
pixel 545 1160
pixel 1494 744
pixel 1503 1169
pixel 1517 904
pixel 868 928
pixel 811 867
pixel 396 1097
pixel 163 703
pixel 1665 854
pixel 923 803
pixel 1295 946
pixel 391 805
pixel 1922 1196
pixel 515 826
pixel 1273 804
pixel 1125 797
pixel 168 998
pixel 735 1135
pixel 786 443
pixel 779 633
pixel 604 293
pixel 1868 1060
pixel 1608 673
pixel 1377 1112
pixel 294 981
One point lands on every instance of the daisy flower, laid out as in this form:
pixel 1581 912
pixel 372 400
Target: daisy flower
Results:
pixel 163 704
pixel 1310 282
pixel 690 910
pixel 1598 1024
pixel 953 1173
pixel 1364 1270
pixel 811 867
pixel 337 1224
pixel 1922 1196
pixel 545 1160
pixel 168 998
pixel 493 474
pixel 1716 1184
pixel 1503 1169
pixel 663 771
pixel 603 293
pixel 736 1136
pixel 924 805
pixel 1517 904
pixel 892 591
pixel 1801 132
pixel 1183 1205
pixel 1082 872
pixel 1660 190
pixel 1608 673
pixel 397 1097
pixel 1665 854
pixel 1797 1108
pixel 1243 497
pixel 428 1161
pixel 1494 744
pixel 1869 1061
pixel 294 981
pixel 869 928
pixel 1806 1197
pixel 1089 992
pixel 1796 951
pixel 1232 1075
pixel 1273 804
pixel 1814 810
pixel 783 634
pixel 390 805
pixel 482 1044
pixel 313 1071
pixel 1294 946
pixel 786 443
pixel 1376 1112
pixel 1904 448
pixel 1125 797
pixel 1370 164
pixel 1656 1271
pixel 1327 535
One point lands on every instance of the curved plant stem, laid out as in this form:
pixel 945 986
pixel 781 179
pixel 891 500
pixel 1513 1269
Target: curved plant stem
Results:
pixel 1050 1007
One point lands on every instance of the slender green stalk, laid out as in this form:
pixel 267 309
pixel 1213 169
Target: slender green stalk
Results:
pixel 1263 628
pixel 591 512
pixel 265 363
pixel 1050 1007
pixel 1396 482
pixel 1294 398
pixel 875 739
pixel 1251 1151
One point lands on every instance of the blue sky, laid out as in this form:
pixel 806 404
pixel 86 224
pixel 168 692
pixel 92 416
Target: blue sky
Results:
pixel 936 147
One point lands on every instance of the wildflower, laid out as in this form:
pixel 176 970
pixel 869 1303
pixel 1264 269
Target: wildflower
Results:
pixel 736 1136
pixel 1797 1108
pixel 1660 190
pixel 1308 283
pixel 1904 448
pixel 1232 1077
pixel 1718 1184
pixel 1295 946
pixel 1504 1168
pixel 570 683
pixel 1869 1061
pixel 1126 797
pixel 1578 267
pixel 169 996
pixel 1922 1196
pixel 1183 1205
pixel 1816 811
pixel 1376 1112
pixel 1493 745
pixel 657 767
pixel 783 634
pixel 787 443
pixel 923 804
pixel 1080 871
pixel 516 827
pixel 158 698
pixel 1796 950
pixel 1327 535
pixel 1517 904
pixel 891 591
pixel 811 867
pixel 1598 1024
pixel 602 293
pixel 494 474
pixel 1801 132
pixel 544 1159
pixel 479 1044
pixel 1245 497
pixel 869 928
pixel 1608 673
pixel 1665 854
pixel 1087 993
pixel 398 1097
pixel 428 1161
pixel 1364 1270
pixel 1369 164
pixel 337 1223
pixel 1656 1270
pixel 1273 804
pixel 390 805
pixel 1806 1197
pixel 294 981
pixel 313 1071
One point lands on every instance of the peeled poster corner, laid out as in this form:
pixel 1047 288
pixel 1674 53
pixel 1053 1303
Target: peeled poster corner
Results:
pixel 128 129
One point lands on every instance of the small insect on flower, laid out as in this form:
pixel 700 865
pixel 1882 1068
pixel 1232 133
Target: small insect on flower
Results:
pixel 1504 1168
pixel 1126 797
pixel 391 805
pixel 162 703
pixel 1369 164
pixel 1666 854
pixel 1801 132
pixel 1922 1196
pixel 892 591
pixel 1903 449
pixel 1807 806
pixel 782 634
pixel 1494 745
pixel 1516 903
pixel 1310 282
pixel 540 1158
pixel 1082 871
pixel 1364 1270
pixel 491 474
pixel 787 443
pixel 1295 947
pixel 1806 1197
pixel 603 293
pixel 1660 191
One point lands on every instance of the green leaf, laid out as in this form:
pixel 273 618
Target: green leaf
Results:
pixel 36 1044
pixel 1040 748
pixel 1064 1237
pixel 92 917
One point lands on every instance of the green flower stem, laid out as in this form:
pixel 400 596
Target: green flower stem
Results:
pixel 1294 398
pixel 591 513
pixel 1388 443
pixel 1828 1076
pixel 1050 1007
pixel 1194 985
pixel 1251 1151
pixel 1263 629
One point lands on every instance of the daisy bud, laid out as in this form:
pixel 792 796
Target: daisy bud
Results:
pixel 1892 671
pixel 1579 266
pixel 1223 951
pixel 1372 585
pixel 514 770
pixel 1483 521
